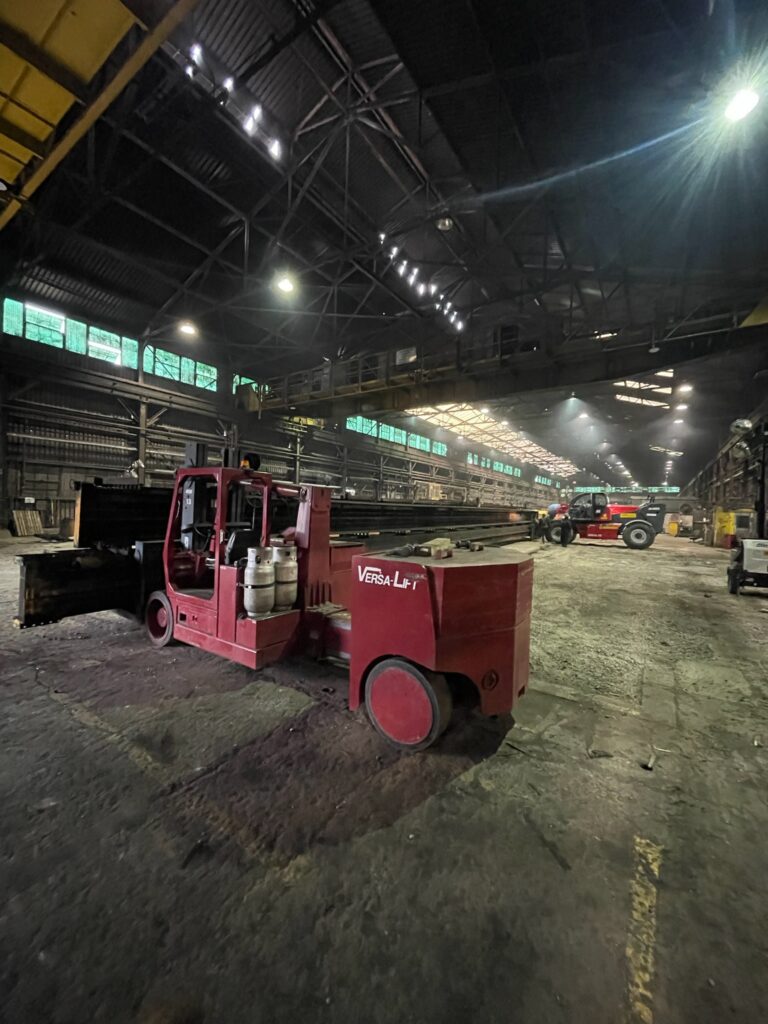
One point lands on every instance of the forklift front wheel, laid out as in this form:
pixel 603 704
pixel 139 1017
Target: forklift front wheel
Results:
pixel 159 619
pixel 638 535
pixel 409 706
pixel 734 580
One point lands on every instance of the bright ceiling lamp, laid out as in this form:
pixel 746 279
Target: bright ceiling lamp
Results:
pixel 275 149
pixel 685 389
pixel 478 427
pixel 743 103
pixel 285 283
pixel 187 328
pixel 252 120
pixel 641 401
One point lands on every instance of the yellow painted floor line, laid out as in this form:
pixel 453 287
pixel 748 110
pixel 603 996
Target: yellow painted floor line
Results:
pixel 641 936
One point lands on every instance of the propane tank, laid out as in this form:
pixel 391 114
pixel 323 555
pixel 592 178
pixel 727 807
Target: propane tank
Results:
pixel 286 576
pixel 259 583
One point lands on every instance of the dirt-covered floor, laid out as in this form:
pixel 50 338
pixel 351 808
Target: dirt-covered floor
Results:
pixel 182 840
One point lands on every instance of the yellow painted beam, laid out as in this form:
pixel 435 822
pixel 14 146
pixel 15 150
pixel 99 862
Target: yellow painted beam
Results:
pixel 143 52
pixel 759 315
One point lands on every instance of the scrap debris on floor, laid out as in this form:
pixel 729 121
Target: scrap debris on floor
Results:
pixel 186 840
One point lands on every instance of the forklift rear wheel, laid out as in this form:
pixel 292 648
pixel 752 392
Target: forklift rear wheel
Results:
pixel 159 619
pixel 638 535
pixel 409 706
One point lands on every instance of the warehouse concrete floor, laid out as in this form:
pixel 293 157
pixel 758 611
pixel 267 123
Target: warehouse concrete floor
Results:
pixel 183 840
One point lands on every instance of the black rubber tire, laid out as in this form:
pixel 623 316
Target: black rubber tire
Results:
pixel 553 532
pixel 434 685
pixel 158 619
pixel 574 534
pixel 734 581
pixel 638 535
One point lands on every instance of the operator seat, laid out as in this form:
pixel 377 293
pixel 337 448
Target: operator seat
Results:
pixel 238 544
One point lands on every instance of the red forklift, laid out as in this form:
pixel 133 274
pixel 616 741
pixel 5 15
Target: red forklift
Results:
pixel 411 628
pixel 593 517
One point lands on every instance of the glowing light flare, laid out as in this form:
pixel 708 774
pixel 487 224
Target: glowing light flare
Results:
pixel 187 328
pixel 742 103
pixel 285 283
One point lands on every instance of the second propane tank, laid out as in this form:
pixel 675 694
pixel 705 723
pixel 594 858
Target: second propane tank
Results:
pixel 286 576
pixel 259 583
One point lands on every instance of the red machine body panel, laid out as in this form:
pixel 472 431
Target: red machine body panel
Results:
pixel 466 615
pixel 469 614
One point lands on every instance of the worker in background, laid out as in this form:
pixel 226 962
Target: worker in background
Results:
pixel 541 527
pixel 566 530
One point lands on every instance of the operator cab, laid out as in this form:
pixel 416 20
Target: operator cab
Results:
pixel 203 535
pixel 589 508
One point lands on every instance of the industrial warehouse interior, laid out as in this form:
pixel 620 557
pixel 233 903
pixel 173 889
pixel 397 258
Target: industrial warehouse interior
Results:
pixel 383 558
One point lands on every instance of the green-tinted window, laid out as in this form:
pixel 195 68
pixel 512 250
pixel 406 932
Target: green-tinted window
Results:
pixel 130 353
pixel 389 433
pixel 76 339
pixel 187 371
pixel 498 467
pixel 13 318
pixel 419 442
pixel 206 376
pixel 469 458
pixel 45 327
pixel 438 448
pixel 239 379
pixel 361 425
pixel 167 364
pixel 104 345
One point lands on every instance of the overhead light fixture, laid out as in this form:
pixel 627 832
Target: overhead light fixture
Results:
pixel 394 251
pixel 382 237
pixel 678 421
pixel 485 410
pixel 605 335
pixel 189 70
pixel 685 389
pixel 421 288
pixel 229 83
pixel 253 119
pixel 285 283
pixel 743 103
pixel 432 288
pixel 505 423
pixel 444 223
pixel 459 325
pixel 187 328
pixel 654 348
pixel 583 415
pixel 275 149
pixel 681 408
pixel 196 52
